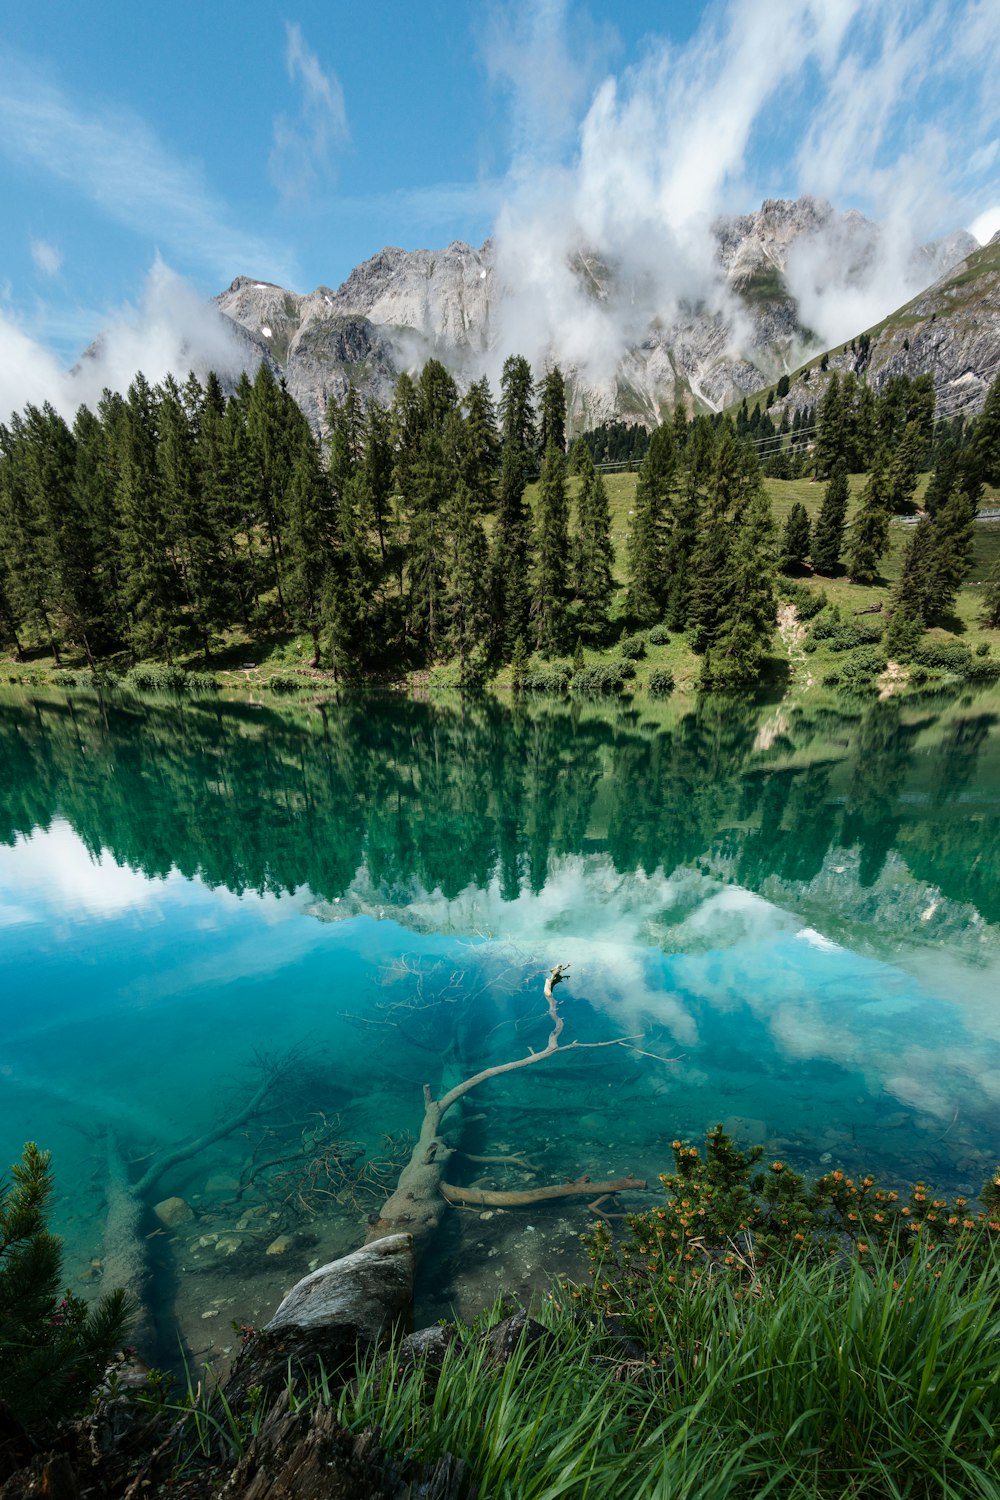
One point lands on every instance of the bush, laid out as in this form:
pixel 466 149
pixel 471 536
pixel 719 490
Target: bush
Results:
pixel 632 647
pixel 53 1351
pixel 606 677
pixel 943 656
pixel 554 679
pixel 845 635
pixel 659 636
pixel 661 682
pixel 858 670
pixel 983 649
pixel 808 602
pixel 154 677
pixel 983 669
pixel 282 682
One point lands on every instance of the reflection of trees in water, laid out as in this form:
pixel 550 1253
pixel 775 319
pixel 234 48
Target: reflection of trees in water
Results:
pixel 872 818
pixel 268 800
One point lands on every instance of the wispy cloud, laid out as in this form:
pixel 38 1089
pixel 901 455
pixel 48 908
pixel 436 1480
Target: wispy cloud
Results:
pixel 304 146
pixel 890 108
pixel 47 257
pixel 112 158
pixel 172 331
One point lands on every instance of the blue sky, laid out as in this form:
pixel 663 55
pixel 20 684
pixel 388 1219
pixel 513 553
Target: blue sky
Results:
pixel 292 144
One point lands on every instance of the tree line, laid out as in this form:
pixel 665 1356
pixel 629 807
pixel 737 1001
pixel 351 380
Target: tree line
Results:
pixel 172 515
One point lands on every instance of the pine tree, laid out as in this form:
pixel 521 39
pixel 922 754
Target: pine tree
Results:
pixel 991 596
pixel 53 1353
pixel 746 625
pixel 309 524
pixel 517 414
pixel 432 485
pixel 869 533
pixel 708 599
pixel 795 539
pixel 466 607
pixel 648 584
pixel 510 595
pixel 954 539
pixel 482 442
pixel 986 440
pixel 593 551
pixel 552 411
pixel 828 533
pixel 552 557
pixel 151 583
pixel 437 395
pixel 903 470
pixel 26 541
pixel 830 433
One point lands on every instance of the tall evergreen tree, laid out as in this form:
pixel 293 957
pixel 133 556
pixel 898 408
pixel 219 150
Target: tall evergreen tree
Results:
pixel 25 538
pixel 828 532
pixel 309 525
pixel 904 468
pixel 76 587
pixel 795 539
pixel 746 624
pixel 552 411
pixel 517 414
pixel 986 440
pixel 869 533
pixel 830 434
pixel 482 442
pixel 433 482
pixel 152 585
pixel 510 592
pixel 552 557
pixel 465 603
pixel 593 551
pixel 648 583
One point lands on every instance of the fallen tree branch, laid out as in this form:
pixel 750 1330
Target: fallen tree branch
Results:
pixel 581 1188
pixel 418 1202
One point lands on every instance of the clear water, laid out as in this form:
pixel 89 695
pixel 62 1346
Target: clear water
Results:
pixel 790 916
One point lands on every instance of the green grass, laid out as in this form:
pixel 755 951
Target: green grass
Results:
pixel 822 1381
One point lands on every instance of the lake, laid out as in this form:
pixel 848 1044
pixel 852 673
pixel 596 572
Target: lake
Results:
pixel 782 916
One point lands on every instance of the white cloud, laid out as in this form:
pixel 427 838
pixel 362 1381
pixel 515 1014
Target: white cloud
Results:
pixel 47 257
pixel 889 107
pixel 986 224
pixel 111 158
pixel 303 148
pixel 172 331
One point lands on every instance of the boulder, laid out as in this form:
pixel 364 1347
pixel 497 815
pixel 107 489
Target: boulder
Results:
pixel 328 1318
pixel 172 1211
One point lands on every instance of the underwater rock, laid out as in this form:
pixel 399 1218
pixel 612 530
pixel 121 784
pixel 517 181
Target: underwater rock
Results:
pixel 281 1245
pixel 746 1131
pixel 173 1211
pixel 228 1244
pixel 367 1291
pixel 343 1307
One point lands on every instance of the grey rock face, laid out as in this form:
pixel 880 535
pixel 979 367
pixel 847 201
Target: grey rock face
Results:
pixel 401 307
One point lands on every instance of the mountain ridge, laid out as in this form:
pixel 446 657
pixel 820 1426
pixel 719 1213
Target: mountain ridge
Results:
pixel 401 307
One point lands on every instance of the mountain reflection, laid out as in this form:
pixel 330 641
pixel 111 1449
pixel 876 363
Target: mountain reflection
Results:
pixel 448 798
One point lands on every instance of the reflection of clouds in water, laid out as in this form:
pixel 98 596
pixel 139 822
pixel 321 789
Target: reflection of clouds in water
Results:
pixel 52 873
pixel 588 915
pixel 731 952
pixel 53 869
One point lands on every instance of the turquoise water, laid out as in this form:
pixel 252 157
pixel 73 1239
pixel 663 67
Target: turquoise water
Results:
pixel 788 920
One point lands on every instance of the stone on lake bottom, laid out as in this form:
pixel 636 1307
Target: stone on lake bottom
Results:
pixel 173 1211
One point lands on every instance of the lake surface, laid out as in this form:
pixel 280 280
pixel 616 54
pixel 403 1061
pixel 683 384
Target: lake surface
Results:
pixel 790 915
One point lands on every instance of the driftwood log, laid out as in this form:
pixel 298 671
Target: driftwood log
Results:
pixel 422 1194
pixel 126 1256
pixel 581 1188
